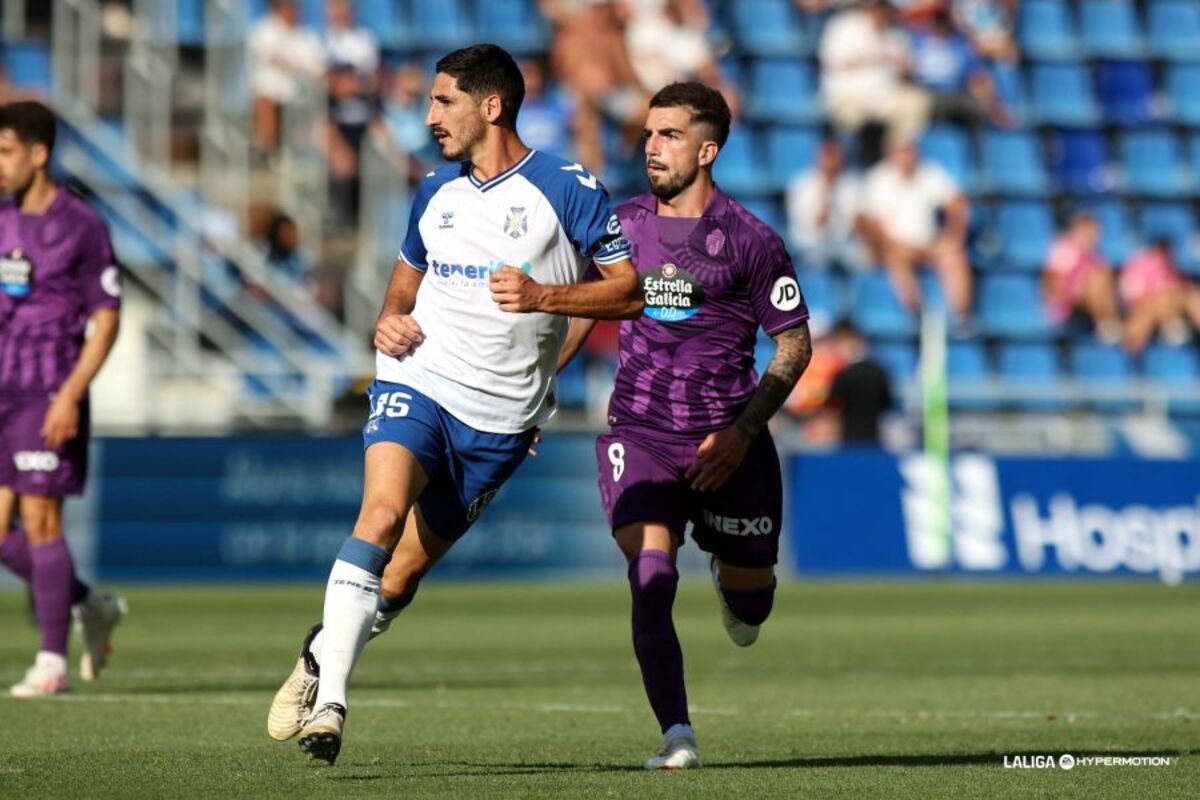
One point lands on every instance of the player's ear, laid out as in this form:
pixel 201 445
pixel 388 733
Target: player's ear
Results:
pixel 39 155
pixel 493 108
pixel 708 152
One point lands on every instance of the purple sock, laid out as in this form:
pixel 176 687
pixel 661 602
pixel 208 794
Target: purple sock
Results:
pixel 14 553
pixel 751 606
pixel 54 588
pixel 652 579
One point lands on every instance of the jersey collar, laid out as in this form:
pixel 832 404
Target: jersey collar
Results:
pixel 718 204
pixel 483 186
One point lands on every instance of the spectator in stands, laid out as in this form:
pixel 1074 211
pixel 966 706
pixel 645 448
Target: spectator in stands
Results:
pixel 283 57
pixel 902 200
pixel 352 54
pixel 808 403
pixel 1157 297
pixel 667 41
pixel 1078 282
pixel 862 61
pixel 945 65
pixel 822 208
pixel 989 26
pixel 284 256
pixel 588 56
pixel 546 119
pixel 861 390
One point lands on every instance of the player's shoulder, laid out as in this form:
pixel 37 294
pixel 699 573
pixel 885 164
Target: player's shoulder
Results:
pixel 749 235
pixel 82 214
pixel 436 179
pixel 557 177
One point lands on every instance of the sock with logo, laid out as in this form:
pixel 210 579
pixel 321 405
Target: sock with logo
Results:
pixel 652 580
pixel 54 591
pixel 351 598
pixel 751 606
pixel 385 612
pixel 14 553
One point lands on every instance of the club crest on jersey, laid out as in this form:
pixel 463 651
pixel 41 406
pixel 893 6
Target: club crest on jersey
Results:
pixel 714 243
pixel 516 222
pixel 447 220
pixel 16 274
pixel 671 294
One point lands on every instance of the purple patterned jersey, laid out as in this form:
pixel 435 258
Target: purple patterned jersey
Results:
pixel 56 270
pixel 686 366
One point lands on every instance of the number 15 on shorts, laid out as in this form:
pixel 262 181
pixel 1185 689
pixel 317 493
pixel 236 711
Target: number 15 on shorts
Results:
pixel 394 404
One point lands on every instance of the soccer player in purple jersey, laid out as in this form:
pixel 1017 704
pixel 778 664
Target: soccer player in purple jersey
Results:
pixel 57 278
pixel 688 447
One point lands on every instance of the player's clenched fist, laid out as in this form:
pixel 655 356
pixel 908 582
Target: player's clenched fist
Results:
pixel 516 291
pixel 396 334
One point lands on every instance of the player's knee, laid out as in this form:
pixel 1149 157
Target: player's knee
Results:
pixel 751 606
pixel 380 524
pixel 42 528
pixel 652 576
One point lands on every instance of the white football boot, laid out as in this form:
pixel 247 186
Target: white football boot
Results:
pixel 743 635
pixel 95 619
pixel 294 700
pixel 47 677
pixel 679 750
pixel 321 736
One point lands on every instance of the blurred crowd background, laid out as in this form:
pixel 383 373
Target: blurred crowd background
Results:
pixel 1026 170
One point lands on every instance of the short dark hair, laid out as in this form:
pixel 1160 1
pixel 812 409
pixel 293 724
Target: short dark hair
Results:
pixel 31 121
pixel 705 104
pixel 484 69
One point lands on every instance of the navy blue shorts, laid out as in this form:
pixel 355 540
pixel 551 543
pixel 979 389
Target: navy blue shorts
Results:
pixel 466 467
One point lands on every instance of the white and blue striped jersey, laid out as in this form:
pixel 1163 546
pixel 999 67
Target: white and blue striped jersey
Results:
pixel 493 369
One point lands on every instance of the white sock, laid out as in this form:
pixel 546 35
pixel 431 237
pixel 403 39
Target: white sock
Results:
pixel 55 662
pixel 383 621
pixel 351 597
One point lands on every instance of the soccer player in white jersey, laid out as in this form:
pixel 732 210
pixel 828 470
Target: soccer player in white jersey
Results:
pixel 476 311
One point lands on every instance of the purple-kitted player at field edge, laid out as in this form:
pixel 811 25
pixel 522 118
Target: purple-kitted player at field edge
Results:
pixel 57 277
pixel 689 447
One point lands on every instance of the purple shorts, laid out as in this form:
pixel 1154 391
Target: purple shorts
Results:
pixel 27 466
pixel 642 480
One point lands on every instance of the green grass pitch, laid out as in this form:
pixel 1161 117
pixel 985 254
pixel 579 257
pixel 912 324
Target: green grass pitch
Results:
pixel 897 690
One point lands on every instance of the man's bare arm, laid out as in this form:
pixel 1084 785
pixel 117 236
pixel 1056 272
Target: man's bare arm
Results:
pixel 616 296
pixel 395 331
pixel 793 351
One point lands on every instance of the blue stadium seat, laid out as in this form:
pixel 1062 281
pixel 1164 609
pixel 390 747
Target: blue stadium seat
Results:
pixel 1183 91
pixel 1153 163
pixel 1175 29
pixel 1079 160
pixel 823 295
pixel 1012 163
pixel 1045 30
pixel 1176 371
pixel 740 169
pixel 190 22
pixel 312 15
pixel 387 21
pixel 768 28
pixel 1010 87
pixel 572 384
pixel 1063 95
pixel 512 24
pixel 441 24
pixel 1117 240
pixel 898 359
pixel 1011 305
pixel 933 298
pixel 967 368
pixel 948 146
pixel 1032 374
pixel 1102 370
pixel 791 150
pixel 1194 146
pixel 1171 221
pixel 783 90
pixel 1109 29
pixel 28 65
pixel 874 308
pixel 1126 91
pixel 1025 229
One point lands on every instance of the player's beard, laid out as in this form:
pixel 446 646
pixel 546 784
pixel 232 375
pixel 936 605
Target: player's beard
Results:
pixel 670 184
pixel 458 148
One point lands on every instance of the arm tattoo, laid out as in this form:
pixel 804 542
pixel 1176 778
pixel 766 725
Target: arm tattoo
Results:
pixel 793 349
